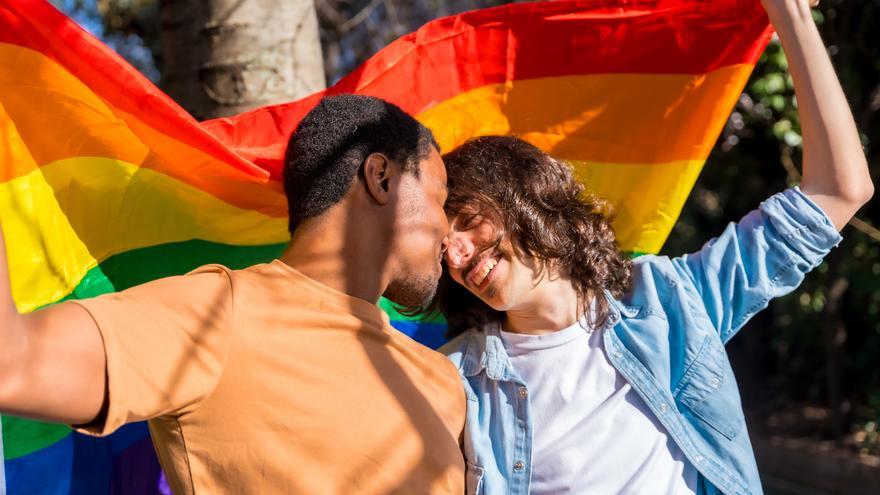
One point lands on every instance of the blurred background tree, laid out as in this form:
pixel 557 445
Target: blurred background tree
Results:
pixel 807 366
pixel 223 57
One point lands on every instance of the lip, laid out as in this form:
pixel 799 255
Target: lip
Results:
pixel 479 266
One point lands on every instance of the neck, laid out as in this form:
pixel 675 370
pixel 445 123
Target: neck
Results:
pixel 328 252
pixel 553 305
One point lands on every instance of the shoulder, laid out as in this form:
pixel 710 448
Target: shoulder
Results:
pixel 459 348
pixel 213 269
pixel 658 285
pixel 213 275
pixel 260 278
pixel 648 270
pixel 172 291
pixel 651 265
pixel 223 274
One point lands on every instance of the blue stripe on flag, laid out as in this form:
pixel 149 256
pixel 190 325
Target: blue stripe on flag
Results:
pixel 44 472
pixel 429 334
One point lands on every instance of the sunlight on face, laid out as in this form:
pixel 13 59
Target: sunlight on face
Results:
pixel 420 228
pixel 487 266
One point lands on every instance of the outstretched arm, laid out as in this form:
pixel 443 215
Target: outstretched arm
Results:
pixel 835 173
pixel 51 361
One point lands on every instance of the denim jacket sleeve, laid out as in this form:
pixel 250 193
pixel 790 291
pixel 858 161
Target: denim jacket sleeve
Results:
pixel 764 255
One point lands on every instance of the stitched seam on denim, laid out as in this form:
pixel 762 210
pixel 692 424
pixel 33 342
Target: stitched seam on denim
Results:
pixel 467 358
pixel 702 313
pixel 687 372
pixel 689 276
pixel 625 310
pixel 736 327
pixel 728 480
pixel 521 445
pixel 644 313
pixel 670 289
pixel 785 267
pixel 799 230
pixel 712 424
pixel 788 265
pixel 721 473
pixel 692 404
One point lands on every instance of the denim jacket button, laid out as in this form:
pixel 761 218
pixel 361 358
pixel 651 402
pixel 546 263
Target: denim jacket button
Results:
pixel 518 466
pixel 617 354
pixel 662 408
pixel 698 459
pixel 523 392
pixel 715 383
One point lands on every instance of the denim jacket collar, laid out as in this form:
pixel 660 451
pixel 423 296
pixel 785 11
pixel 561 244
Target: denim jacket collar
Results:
pixel 486 351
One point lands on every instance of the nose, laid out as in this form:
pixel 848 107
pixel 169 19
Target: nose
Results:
pixel 459 249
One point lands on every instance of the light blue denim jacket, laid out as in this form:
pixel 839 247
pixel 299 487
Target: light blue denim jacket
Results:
pixel 666 336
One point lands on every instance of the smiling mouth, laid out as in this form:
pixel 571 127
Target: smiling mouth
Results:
pixel 481 272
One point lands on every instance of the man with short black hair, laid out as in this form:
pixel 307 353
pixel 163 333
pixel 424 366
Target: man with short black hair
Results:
pixel 283 377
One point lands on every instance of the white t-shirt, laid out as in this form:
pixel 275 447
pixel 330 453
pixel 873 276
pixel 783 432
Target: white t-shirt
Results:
pixel 591 432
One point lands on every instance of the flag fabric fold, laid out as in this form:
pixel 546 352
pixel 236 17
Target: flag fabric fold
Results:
pixel 106 183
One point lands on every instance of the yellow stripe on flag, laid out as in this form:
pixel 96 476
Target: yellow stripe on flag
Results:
pixel 53 212
pixel 647 197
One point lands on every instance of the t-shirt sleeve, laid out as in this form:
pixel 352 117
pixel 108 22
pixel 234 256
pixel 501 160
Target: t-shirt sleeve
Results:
pixel 165 343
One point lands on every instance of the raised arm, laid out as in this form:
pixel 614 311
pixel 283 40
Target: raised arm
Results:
pixel 835 173
pixel 768 252
pixel 51 361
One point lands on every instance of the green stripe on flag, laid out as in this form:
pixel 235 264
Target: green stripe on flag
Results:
pixel 124 270
pixel 121 271
pixel 390 308
pixel 24 436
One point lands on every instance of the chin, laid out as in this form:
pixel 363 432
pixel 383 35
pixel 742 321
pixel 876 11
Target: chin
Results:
pixel 493 299
pixel 413 291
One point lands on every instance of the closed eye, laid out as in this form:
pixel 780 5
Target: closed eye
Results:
pixel 471 221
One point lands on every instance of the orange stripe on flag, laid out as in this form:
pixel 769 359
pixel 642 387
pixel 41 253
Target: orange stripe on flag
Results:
pixel 621 118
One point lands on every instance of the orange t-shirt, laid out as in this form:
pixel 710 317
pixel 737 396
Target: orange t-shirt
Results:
pixel 265 381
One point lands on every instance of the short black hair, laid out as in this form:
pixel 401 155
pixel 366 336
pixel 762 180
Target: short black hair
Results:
pixel 328 147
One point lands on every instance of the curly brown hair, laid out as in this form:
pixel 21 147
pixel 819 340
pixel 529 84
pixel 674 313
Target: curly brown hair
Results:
pixel 547 216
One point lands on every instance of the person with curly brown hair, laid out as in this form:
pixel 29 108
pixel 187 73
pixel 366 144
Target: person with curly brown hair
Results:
pixel 588 372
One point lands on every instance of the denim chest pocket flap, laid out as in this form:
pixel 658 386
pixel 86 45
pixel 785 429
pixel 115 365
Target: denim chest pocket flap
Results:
pixel 708 389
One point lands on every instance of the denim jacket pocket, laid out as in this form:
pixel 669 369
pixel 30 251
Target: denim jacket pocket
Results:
pixel 708 390
pixel 473 479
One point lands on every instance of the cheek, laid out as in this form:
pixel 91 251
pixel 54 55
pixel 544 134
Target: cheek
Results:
pixel 486 231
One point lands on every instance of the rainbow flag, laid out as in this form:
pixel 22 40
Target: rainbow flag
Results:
pixel 106 183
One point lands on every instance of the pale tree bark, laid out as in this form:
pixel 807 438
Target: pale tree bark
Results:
pixel 224 57
pixel 353 30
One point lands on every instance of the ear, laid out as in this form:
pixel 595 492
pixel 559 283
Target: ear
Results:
pixel 377 176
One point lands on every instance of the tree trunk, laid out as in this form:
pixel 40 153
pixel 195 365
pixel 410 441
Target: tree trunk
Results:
pixel 224 57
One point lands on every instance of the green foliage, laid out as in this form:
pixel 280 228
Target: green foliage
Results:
pixel 820 347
